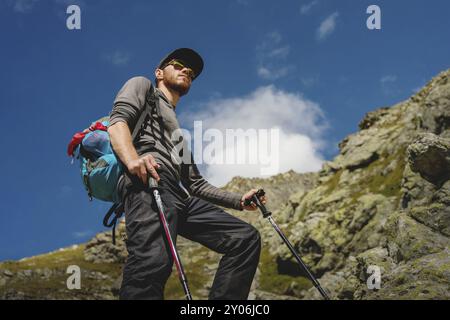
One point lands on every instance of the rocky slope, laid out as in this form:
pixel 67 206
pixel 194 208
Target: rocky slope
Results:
pixel 383 202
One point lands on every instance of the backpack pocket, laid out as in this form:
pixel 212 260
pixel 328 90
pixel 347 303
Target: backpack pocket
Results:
pixel 103 175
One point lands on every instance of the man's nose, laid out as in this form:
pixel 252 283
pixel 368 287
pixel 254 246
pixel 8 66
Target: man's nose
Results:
pixel 186 71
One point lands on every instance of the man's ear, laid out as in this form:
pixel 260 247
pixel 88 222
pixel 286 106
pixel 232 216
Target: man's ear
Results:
pixel 159 75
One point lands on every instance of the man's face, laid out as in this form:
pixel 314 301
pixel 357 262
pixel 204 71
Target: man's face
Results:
pixel 177 77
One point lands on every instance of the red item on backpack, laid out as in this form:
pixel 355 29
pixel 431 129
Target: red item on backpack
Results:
pixel 79 136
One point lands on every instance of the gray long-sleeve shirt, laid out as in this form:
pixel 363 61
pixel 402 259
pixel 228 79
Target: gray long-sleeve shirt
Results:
pixel 129 104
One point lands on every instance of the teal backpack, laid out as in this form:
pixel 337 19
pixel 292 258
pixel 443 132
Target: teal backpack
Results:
pixel 100 168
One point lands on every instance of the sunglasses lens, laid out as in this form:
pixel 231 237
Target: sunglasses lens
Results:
pixel 179 65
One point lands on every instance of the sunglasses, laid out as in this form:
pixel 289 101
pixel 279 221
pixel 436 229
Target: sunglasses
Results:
pixel 179 65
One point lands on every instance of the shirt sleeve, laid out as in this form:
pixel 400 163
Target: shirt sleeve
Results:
pixel 129 102
pixel 198 186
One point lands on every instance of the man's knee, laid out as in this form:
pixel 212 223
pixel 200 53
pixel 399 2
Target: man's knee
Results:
pixel 251 237
pixel 254 233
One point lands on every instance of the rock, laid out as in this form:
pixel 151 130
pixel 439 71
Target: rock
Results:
pixel 359 151
pixel 264 295
pixel 97 276
pixel 425 278
pixel 25 274
pixel 378 257
pixel 7 273
pixel 329 167
pixel 101 249
pixel 372 117
pixel 330 282
pixel 430 157
pixel 411 239
pixel 115 288
pixel 436 117
pixel 367 210
pixel 415 191
pixel 435 216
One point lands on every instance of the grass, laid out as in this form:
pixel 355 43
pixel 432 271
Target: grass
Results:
pixel 197 279
pixel 55 286
pixel 390 184
pixel 333 183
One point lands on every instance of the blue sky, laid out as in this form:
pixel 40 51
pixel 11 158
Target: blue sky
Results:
pixel 54 81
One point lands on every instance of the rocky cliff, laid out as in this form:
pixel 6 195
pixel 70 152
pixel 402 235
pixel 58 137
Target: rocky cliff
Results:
pixel 383 203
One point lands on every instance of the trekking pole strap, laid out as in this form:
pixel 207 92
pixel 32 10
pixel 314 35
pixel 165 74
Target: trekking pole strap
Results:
pixel 117 210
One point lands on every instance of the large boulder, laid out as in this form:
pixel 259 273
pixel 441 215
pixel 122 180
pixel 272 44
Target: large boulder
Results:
pixel 429 156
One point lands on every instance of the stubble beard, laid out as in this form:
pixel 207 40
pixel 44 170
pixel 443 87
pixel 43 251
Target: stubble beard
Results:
pixel 181 87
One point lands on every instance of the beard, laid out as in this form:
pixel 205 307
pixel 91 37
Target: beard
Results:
pixel 180 86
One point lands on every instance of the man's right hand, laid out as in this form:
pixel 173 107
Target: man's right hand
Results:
pixel 142 166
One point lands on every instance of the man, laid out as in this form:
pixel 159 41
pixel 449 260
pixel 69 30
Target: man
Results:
pixel 194 215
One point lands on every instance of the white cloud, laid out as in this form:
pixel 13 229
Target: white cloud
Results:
pixel 22 6
pixel 274 37
pixel 306 8
pixel 309 82
pixel 273 74
pixel 301 125
pixel 279 53
pixel 388 85
pixel 26 6
pixel 117 58
pixel 389 78
pixel 271 56
pixel 327 26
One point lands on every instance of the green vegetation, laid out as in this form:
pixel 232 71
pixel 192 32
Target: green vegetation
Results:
pixel 36 286
pixel 270 280
pixel 373 181
pixel 333 183
pixel 388 185
pixel 197 278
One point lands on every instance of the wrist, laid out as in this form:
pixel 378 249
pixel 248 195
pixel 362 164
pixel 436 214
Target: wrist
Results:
pixel 128 160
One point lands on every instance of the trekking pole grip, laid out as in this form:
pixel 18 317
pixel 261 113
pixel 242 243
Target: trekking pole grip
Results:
pixel 255 199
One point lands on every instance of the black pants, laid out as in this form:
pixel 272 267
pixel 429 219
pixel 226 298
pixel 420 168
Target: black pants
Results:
pixel 149 262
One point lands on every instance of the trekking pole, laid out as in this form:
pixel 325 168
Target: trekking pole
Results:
pixel 267 214
pixel 153 186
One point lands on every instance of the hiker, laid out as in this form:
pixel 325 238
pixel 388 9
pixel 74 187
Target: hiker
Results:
pixel 190 201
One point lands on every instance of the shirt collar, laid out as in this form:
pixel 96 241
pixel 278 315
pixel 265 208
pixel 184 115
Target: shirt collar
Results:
pixel 163 96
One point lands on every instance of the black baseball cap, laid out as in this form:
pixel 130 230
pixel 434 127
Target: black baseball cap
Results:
pixel 191 58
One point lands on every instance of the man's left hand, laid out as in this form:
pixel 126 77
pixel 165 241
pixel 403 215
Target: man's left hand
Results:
pixel 249 195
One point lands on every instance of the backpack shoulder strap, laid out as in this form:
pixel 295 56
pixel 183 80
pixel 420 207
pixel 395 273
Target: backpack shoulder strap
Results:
pixel 152 100
pixel 117 208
